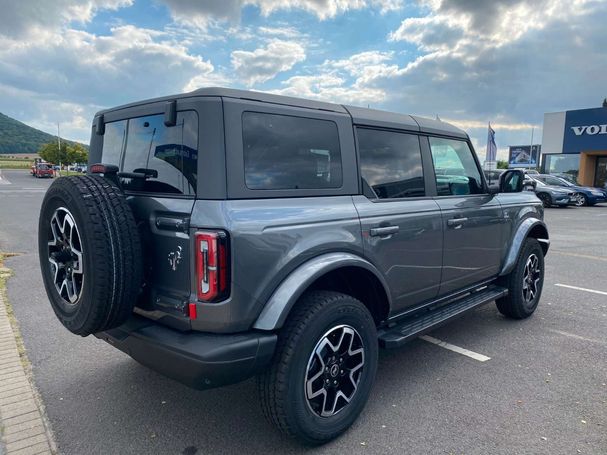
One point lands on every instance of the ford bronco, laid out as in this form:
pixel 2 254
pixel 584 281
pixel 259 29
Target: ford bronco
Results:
pixel 224 234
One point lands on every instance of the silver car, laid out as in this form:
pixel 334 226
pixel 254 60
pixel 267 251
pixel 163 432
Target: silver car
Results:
pixel 552 195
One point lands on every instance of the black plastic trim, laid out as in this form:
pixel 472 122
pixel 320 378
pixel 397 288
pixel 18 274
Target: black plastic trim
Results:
pixel 198 360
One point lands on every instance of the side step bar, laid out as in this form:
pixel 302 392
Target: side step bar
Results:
pixel 415 326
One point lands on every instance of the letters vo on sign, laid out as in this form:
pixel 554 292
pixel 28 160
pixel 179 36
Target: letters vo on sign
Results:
pixel 589 129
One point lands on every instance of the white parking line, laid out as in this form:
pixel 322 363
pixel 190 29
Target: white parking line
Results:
pixel 578 337
pixel 580 289
pixel 452 347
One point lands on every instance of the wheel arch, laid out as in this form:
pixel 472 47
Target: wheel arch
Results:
pixel 530 227
pixel 340 272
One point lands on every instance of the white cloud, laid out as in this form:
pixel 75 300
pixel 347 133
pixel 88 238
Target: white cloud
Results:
pixel 203 13
pixel 453 23
pixel 329 87
pixel 65 76
pixel 26 18
pixel 265 63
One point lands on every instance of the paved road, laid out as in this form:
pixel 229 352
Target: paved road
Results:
pixel 543 391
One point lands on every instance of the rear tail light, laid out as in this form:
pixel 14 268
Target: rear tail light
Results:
pixel 212 269
pixel 101 168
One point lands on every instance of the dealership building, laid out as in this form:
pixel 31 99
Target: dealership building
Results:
pixel 575 143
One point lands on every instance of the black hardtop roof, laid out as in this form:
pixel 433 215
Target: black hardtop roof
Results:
pixel 360 115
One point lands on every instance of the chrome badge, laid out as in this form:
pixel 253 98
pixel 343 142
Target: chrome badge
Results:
pixel 175 258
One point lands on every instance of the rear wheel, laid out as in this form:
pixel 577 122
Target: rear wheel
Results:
pixel 90 254
pixel 323 369
pixel 545 198
pixel 524 283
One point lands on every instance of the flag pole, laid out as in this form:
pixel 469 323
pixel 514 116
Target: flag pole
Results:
pixel 531 147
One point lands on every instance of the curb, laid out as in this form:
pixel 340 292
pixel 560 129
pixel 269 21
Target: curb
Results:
pixel 25 429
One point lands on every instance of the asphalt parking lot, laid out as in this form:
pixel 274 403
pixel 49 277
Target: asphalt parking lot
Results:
pixel 543 391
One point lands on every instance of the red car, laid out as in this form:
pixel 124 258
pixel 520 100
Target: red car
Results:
pixel 41 170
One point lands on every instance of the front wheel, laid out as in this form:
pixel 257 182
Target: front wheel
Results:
pixel 323 368
pixel 581 200
pixel 524 283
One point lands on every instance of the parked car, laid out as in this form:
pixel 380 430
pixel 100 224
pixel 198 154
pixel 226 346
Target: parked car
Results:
pixel 42 170
pixel 570 178
pixel 493 175
pixel 264 235
pixel 582 195
pixel 551 195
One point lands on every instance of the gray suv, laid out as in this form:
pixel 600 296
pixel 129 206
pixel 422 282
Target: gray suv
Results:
pixel 223 234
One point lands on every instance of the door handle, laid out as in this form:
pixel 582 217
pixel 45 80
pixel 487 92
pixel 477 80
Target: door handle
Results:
pixel 456 221
pixel 383 231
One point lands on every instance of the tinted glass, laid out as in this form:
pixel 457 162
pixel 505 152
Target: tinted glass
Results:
pixel 553 181
pixel 390 163
pixel 284 152
pixel 113 141
pixel 168 155
pixel 455 168
pixel 562 164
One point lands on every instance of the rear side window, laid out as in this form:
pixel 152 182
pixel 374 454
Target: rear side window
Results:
pixel 168 155
pixel 455 168
pixel 113 142
pixel 390 164
pixel 285 152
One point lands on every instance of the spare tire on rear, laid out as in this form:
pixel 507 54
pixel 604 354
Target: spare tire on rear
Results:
pixel 90 253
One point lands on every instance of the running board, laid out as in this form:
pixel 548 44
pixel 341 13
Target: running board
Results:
pixel 415 326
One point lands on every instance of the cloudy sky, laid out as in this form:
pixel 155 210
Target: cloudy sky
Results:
pixel 468 61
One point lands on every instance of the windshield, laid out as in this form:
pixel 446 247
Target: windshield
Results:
pixel 555 181
pixel 536 180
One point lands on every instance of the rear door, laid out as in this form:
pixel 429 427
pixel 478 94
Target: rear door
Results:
pixel 401 223
pixel 473 221
pixel 140 142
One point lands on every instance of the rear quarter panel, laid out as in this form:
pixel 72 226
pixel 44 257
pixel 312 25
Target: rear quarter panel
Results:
pixel 269 238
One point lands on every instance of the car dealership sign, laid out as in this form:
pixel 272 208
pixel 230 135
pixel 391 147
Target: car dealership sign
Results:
pixel 590 129
pixel 585 130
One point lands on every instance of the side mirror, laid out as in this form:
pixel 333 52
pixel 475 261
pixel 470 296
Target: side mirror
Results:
pixel 512 181
pixel 529 185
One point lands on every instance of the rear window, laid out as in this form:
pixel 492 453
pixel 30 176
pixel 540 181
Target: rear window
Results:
pixel 285 152
pixel 390 164
pixel 168 155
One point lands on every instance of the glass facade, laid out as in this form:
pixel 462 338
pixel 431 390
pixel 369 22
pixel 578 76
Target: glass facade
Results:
pixel 600 174
pixel 560 163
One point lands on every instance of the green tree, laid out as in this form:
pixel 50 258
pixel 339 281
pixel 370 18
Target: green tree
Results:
pixel 76 153
pixel 50 152
pixel 69 153
pixel 502 164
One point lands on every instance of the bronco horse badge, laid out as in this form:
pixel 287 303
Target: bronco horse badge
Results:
pixel 175 258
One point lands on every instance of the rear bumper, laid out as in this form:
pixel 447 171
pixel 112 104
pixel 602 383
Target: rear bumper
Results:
pixel 198 360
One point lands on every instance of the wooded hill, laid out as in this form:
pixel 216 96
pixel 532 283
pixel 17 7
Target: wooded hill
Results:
pixel 17 137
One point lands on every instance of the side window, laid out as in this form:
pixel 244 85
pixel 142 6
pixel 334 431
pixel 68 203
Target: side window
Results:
pixel 113 142
pixel 455 168
pixel 285 152
pixel 390 163
pixel 169 155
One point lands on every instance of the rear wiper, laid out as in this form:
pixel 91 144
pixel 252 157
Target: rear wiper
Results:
pixel 140 173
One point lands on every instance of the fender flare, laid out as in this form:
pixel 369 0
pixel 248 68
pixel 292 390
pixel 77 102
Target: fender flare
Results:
pixel 522 232
pixel 288 292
